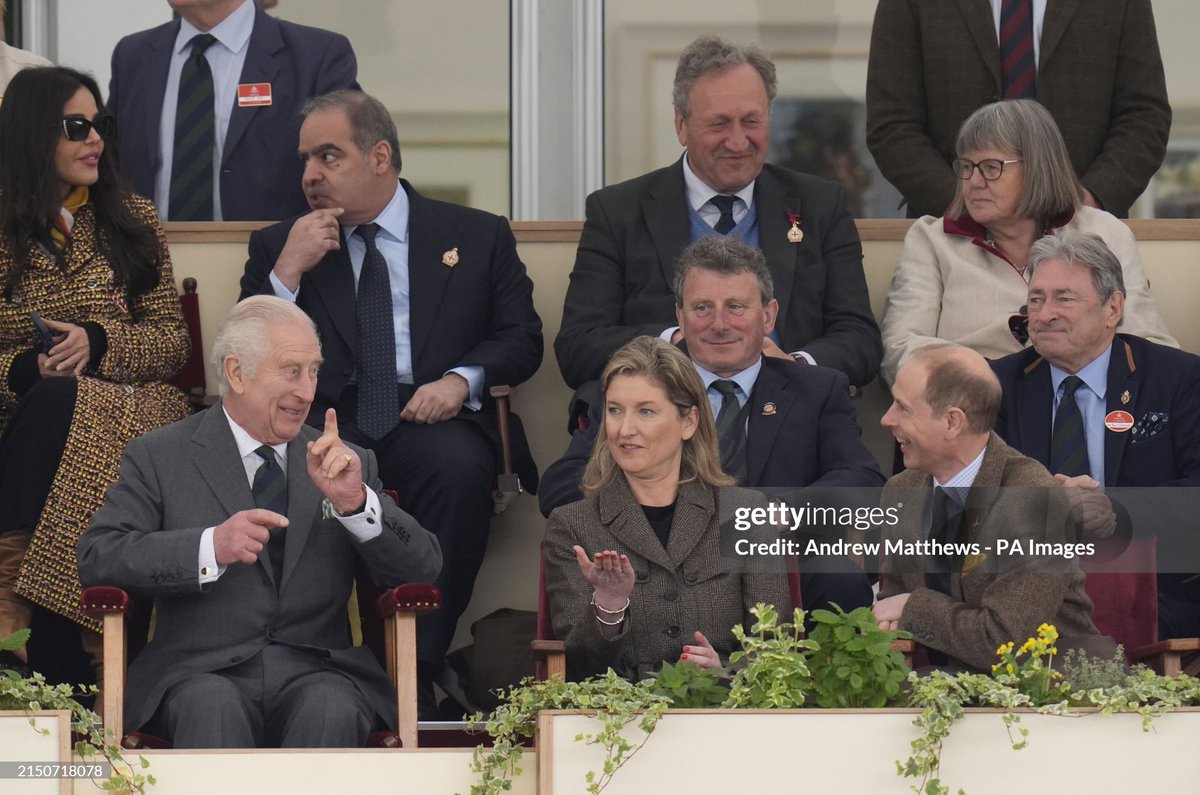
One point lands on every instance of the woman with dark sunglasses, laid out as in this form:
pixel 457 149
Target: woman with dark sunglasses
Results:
pixel 90 330
pixel 961 278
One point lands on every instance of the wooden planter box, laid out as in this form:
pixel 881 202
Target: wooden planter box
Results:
pixel 22 744
pixel 816 750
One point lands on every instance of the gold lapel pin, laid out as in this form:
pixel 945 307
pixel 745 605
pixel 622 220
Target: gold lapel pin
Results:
pixel 1125 398
pixel 794 234
pixel 450 258
pixel 768 410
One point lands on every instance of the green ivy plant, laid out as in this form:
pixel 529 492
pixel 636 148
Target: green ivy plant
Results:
pixel 854 664
pixel 616 701
pixel 33 694
pixel 688 686
pixel 772 672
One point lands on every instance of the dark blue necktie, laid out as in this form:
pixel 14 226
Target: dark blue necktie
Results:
pixel 270 492
pixel 731 430
pixel 725 204
pixel 1017 67
pixel 191 192
pixel 943 528
pixel 378 394
pixel 1068 443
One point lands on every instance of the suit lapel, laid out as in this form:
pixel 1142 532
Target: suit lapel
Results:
pixel 1035 402
pixel 304 502
pixel 772 203
pixel 1054 25
pixel 1122 378
pixel 428 241
pixel 666 215
pixel 332 284
pixel 694 509
pixel 219 463
pixel 260 66
pixel 763 430
pixel 978 16
pixel 625 521
pixel 150 88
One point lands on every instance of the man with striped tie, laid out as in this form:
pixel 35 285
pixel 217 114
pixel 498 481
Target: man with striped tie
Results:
pixel 245 525
pixel 208 108
pixel 1095 65
pixel 1104 410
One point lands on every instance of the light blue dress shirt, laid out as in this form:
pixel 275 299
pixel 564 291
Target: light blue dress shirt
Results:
pixel 225 58
pixel 1091 398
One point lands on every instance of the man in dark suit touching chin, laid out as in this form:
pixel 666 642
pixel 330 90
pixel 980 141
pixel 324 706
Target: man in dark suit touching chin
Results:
pixel 421 306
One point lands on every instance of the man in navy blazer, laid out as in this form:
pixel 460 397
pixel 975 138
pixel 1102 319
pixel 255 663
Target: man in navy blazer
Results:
pixel 801 429
pixel 462 320
pixel 259 176
pixel 634 231
pixel 1076 296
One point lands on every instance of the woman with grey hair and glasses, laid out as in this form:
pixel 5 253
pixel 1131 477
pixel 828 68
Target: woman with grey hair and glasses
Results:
pixel 961 278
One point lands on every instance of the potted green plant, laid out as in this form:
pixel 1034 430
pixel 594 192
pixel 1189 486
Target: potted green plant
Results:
pixel 27 696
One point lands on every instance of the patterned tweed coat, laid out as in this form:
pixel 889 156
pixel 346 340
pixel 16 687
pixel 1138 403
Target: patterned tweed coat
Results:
pixel 126 396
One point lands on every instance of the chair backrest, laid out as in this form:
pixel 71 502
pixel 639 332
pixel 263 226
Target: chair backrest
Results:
pixel 191 378
pixel 1124 594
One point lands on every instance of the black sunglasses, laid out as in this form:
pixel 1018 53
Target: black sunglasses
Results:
pixel 77 128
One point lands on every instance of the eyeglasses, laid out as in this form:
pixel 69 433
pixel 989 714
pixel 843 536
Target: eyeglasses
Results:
pixel 77 128
pixel 989 169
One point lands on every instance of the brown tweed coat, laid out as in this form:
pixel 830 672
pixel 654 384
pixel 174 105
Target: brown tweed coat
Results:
pixel 993 599
pixel 678 590
pixel 126 396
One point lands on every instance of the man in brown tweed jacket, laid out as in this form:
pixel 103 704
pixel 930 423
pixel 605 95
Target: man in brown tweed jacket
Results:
pixel 962 605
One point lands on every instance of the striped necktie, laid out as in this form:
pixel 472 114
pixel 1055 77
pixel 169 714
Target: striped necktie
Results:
pixel 1068 443
pixel 1017 67
pixel 270 492
pixel 195 138
pixel 731 431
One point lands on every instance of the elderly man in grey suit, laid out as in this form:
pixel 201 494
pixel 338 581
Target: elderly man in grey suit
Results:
pixel 245 526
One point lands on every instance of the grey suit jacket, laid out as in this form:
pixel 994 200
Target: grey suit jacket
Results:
pixel 992 600
pixel 678 590
pixel 183 478
pixel 933 62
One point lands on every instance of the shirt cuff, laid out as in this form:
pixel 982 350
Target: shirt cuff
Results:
pixel 281 290
pixel 798 355
pixel 668 333
pixel 209 568
pixel 473 374
pixel 365 525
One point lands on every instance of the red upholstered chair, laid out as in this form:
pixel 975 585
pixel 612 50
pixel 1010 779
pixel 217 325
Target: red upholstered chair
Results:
pixel 398 608
pixel 550 653
pixel 191 378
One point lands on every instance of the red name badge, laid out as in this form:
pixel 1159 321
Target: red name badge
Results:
pixel 1118 421
pixel 252 95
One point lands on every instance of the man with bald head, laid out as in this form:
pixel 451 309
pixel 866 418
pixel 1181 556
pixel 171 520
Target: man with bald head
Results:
pixel 964 485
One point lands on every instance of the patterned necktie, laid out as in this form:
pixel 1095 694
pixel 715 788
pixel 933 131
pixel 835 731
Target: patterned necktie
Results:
pixel 270 492
pixel 1017 67
pixel 1068 443
pixel 731 431
pixel 943 528
pixel 195 138
pixel 725 204
pixel 378 394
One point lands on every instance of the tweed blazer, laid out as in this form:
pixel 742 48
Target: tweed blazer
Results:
pixel 992 601
pixel 678 590
pixel 949 286
pixel 1100 74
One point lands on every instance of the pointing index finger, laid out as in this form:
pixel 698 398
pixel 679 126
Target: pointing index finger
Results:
pixel 331 426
